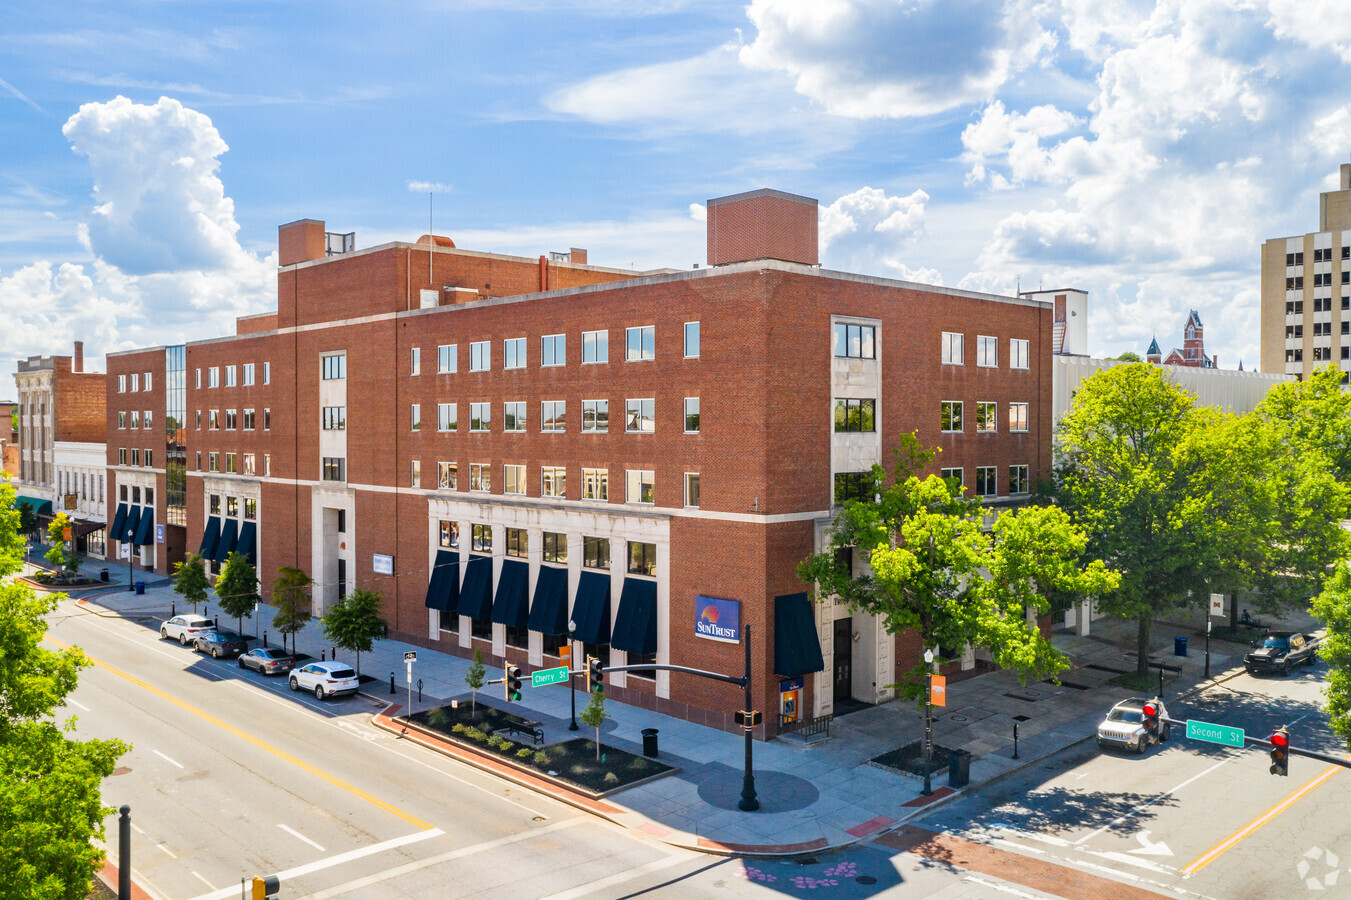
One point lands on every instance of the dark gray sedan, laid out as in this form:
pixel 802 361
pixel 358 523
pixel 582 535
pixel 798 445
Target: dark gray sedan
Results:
pixel 220 643
pixel 268 661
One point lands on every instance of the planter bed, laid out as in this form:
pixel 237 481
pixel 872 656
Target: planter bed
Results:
pixel 909 759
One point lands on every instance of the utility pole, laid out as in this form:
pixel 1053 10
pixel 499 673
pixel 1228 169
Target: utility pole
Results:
pixel 572 691
pixel 748 802
pixel 928 721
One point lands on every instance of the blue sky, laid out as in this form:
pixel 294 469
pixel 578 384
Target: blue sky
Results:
pixel 1142 151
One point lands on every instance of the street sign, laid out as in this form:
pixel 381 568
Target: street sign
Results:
pixel 938 690
pixel 549 676
pixel 1214 734
pixel 409 656
pixel 1217 604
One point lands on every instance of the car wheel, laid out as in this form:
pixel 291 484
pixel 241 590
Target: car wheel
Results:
pixel 241 664
pixel 1142 745
pixel 1165 735
pixel 319 692
pixel 215 653
pixel 183 639
pixel 1313 658
pixel 295 685
pixel 1285 668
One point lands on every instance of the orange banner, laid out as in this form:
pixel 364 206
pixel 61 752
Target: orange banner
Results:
pixel 938 690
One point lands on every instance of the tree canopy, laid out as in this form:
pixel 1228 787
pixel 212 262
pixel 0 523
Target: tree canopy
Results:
pixel 290 595
pixel 1333 607
pixel 62 555
pixel 237 587
pixel 190 580
pixel 354 622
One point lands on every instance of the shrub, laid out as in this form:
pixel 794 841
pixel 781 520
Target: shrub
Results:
pixel 475 734
pixel 524 753
pixel 436 716
pixel 506 746
pixel 495 741
pixel 458 728
pixel 611 778
pixel 541 758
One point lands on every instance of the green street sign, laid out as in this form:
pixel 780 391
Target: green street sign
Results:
pixel 549 676
pixel 1214 734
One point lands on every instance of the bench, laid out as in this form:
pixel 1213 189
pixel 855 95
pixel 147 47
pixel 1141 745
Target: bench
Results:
pixel 532 728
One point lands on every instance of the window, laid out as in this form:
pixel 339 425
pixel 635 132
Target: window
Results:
pixel 415 473
pixel 691 340
pixel 555 547
pixel 553 416
pixel 513 353
pixel 952 415
pixel 595 484
pixel 213 462
pixel 231 420
pixel 213 505
pixel 232 463
pixel 987 351
pixel 852 486
pixel 122 456
pixel 952 348
pixel 135 457
pixel 553 481
pixel 857 341
pixel 1018 353
pixel 1294 331
pixel 267 420
pixel 449 534
pixel 447 418
pixel 639 416
pixel 480 477
pixel 595 347
pixel 447 474
pixel 250 508
pixel 1346 353
pixel 640 486
pixel 335 418
pixel 198 383
pixel 855 415
pixel 267 464
pixel 641 343
pixel 121 420
pixel 481 538
pixel 248 420
pixel 415 362
pixel 230 376
pixel 596 552
pixel 518 542
pixel 480 356
pixel 595 416
pixel 135 418
pixel 987 417
pixel 149 458
pixel 480 416
pixel 986 481
pixel 267 373
pixel 122 384
pixel 136 382
pixel 250 464
pixel 553 350
pixel 1017 417
pixel 513 416
pixel 1018 483
pixel 148 421
pixel 642 558
pixel 334 468
pixel 513 481
pixel 691 415
pixel 415 416
pixel 692 489
pixel 334 366
pixel 232 507
pixel 447 358
pixel 954 479
pixel 147 381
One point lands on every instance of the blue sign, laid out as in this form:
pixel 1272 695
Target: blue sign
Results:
pixel 717 620
pixel 790 684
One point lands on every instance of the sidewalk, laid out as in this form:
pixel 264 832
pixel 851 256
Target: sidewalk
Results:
pixel 812 798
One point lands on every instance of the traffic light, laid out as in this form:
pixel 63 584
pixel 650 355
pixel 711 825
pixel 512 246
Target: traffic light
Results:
pixel 1151 717
pixel 595 675
pixel 747 720
pixel 265 887
pixel 513 682
pixel 1280 751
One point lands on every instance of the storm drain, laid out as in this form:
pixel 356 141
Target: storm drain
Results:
pixel 1068 684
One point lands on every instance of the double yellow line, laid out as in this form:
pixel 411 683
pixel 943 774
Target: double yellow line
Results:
pixel 240 733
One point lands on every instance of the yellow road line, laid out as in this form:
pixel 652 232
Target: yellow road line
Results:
pixel 240 733
pixel 1219 849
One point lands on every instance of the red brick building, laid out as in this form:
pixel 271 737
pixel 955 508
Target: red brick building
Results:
pixel 501 446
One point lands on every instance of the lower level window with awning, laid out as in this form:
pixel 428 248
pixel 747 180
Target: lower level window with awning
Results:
pixel 145 528
pixel 476 594
pixel 443 588
pixel 129 527
pixel 636 621
pixel 511 605
pixel 210 537
pixel 40 507
pixel 119 522
pixel 549 609
pixel 229 537
pixel 248 542
pixel 797 648
pixel 591 610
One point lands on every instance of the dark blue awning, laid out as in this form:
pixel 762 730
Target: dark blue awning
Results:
pixel 145 528
pixel 229 537
pixel 210 538
pixel 248 542
pixel 511 606
pixel 636 620
pixel 443 588
pixel 797 648
pixel 549 611
pixel 591 610
pixel 119 522
pixel 129 526
pixel 476 594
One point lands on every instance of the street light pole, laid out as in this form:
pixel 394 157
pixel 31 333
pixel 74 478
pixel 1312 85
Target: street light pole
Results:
pixel 928 721
pixel 572 692
pixel 748 802
pixel 1207 645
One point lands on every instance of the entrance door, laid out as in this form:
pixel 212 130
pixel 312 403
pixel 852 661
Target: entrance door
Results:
pixel 844 658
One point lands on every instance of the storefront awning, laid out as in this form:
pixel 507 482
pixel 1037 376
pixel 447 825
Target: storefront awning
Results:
pixel 210 537
pixel 145 528
pixel 81 527
pixel 511 606
pixel 549 610
pixel 591 610
pixel 129 529
pixel 229 538
pixel 476 594
pixel 443 587
pixel 119 522
pixel 636 620
pixel 797 648
pixel 40 507
pixel 248 542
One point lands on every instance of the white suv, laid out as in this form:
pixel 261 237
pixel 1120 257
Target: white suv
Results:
pixel 326 679
pixel 186 628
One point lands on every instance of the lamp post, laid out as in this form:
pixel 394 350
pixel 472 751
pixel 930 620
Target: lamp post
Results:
pixel 928 720
pixel 572 692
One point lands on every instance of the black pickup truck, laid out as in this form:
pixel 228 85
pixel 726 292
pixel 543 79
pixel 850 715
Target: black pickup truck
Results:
pixel 1280 652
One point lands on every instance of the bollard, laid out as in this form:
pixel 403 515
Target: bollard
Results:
pixel 391 682
pixel 322 651
pixel 217 618
pixel 206 610
pixel 419 690
pixel 264 638
pixel 173 608
pixel 1015 740
pixel 124 854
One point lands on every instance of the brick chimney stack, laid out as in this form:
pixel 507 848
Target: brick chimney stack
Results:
pixel 78 363
pixel 763 224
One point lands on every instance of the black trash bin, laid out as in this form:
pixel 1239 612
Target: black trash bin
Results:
pixel 103 575
pixel 1179 646
pixel 959 768
pixel 650 742
pixel 140 587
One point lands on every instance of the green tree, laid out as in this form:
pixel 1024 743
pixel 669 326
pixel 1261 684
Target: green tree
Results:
pixel 354 622
pixel 190 580
pixel 1313 416
pixel 1333 608
pixel 935 569
pixel 237 588
pixel 1127 356
pixel 474 676
pixel 28 518
pixel 290 594
pixel 594 716
pixel 62 555
pixel 11 529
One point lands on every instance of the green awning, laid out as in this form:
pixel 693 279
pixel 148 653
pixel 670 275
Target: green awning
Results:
pixel 40 507
pixel 797 649
pixel 248 542
pixel 229 537
pixel 443 588
pixel 549 610
pixel 129 529
pixel 636 620
pixel 210 538
pixel 145 528
pixel 511 605
pixel 591 610
pixel 119 522
pixel 476 594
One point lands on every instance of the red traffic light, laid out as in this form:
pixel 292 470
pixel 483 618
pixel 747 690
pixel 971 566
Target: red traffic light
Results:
pixel 1151 710
pixel 1280 739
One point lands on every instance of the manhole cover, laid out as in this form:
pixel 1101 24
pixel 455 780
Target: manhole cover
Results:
pixel 866 879
pixel 121 770
pixel 1022 718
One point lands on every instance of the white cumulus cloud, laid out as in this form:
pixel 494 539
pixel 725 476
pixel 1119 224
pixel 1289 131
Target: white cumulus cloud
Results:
pixel 869 228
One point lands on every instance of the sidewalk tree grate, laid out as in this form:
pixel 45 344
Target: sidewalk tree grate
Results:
pixel 1022 718
pixel 1109 669
pixel 1069 684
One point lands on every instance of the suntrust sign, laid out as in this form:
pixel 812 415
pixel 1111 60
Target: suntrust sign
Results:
pixel 717 620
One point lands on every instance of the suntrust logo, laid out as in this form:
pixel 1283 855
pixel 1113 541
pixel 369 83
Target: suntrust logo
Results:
pixel 717 620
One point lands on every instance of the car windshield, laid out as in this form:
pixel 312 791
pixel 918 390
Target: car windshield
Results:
pixel 1276 642
pixel 272 654
pixel 343 673
pixel 1134 716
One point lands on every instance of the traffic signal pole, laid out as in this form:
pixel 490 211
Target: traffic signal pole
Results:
pixel 1265 743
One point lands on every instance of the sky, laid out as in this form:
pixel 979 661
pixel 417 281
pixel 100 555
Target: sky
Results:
pixel 1140 151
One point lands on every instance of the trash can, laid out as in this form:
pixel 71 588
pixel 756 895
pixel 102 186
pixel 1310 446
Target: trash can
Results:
pixel 140 587
pixel 959 768
pixel 103 575
pixel 650 742
pixel 1179 646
